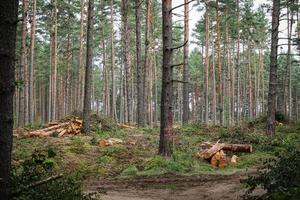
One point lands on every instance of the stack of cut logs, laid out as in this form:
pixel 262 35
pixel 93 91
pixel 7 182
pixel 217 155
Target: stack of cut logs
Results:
pixel 214 153
pixel 70 127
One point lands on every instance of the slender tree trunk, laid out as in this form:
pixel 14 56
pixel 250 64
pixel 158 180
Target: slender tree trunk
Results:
pixel 238 65
pixel 287 99
pixel 88 69
pixel 219 64
pixel 229 71
pixel 155 90
pixel 80 84
pixel 8 29
pixel 31 99
pixel 150 94
pixel 53 63
pixel 106 82
pixel 185 86
pixel 23 62
pixel 214 92
pixel 113 111
pixel 166 132
pixel 250 89
pixel 270 129
pixel 140 96
pixel 125 57
pixel 206 96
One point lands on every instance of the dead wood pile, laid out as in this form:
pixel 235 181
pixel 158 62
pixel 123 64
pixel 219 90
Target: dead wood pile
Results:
pixel 60 128
pixel 214 152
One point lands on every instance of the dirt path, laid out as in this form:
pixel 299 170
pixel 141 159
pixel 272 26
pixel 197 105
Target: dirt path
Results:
pixel 172 187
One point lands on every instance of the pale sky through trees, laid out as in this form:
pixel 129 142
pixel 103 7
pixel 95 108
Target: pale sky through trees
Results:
pixel 195 16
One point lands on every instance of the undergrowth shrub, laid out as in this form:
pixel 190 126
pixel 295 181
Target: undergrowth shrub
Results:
pixel 280 177
pixel 38 168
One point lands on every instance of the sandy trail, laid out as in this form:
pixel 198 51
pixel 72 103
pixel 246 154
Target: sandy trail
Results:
pixel 172 187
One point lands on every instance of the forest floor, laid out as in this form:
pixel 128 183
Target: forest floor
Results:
pixel 133 170
pixel 174 187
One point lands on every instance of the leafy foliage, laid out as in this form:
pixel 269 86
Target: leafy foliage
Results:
pixel 40 167
pixel 280 177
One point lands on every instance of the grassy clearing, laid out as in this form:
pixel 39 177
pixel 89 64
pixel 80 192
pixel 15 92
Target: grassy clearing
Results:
pixel 81 153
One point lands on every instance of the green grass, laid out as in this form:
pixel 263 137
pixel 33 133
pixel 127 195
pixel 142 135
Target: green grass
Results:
pixel 82 154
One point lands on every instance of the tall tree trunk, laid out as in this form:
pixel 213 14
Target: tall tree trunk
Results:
pixel 219 64
pixel 139 67
pixel 166 132
pixel 206 91
pixel 88 69
pixel 80 72
pixel 23 62
pixel 155 90
pixel 31 98
pixel 238 65
pixel 229 66
pixel 214 92
pixel 106 82
pixel 53 62
pixel 270 129
pixel 125 57
pixel 250 89
pixel 185 86
pixel 287 99
pixel 113 111
pixel 8 28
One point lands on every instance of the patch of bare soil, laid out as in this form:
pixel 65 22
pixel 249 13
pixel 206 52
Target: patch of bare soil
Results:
pixel 172 187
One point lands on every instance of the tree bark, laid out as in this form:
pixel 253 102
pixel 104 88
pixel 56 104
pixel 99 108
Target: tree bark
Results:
pixel 31 98
pixel 270 128
pixel 125 58
pixel 185 86
pixel 80 72
pixel 238 65
pixel 88 69
pixel 113 110
pixel 22 72
pixel 166 132
pixel 214 92
pixel 140 96
pixel 206 91
pixel 8 28
pixel 219 64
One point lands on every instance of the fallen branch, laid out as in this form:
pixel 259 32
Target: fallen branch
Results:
pixel 38 183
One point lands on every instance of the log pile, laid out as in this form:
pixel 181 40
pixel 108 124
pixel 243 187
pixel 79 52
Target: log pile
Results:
pixel 214 152
pixel 69 127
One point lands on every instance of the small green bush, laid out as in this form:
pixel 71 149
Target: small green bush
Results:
pixel 40 167
pixel 130 171
pixel 280 177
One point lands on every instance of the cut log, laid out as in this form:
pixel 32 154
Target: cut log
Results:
pixel 125 126
pixel 53 127
pixel 73 126
pixel 62 132
pixel 229 147
pixel 223 160
pixel 214 160
pixel 206 154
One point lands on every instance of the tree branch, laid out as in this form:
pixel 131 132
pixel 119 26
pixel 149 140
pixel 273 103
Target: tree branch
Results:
pixel 51 178
pixel 286 44
pixel 176 65
pixel 181 5
pixel 139 4
pixel 178 27
pixel 174 48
